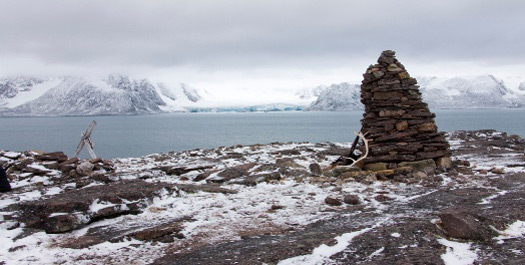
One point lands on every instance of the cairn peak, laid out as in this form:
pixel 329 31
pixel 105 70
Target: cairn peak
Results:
pixel 399 124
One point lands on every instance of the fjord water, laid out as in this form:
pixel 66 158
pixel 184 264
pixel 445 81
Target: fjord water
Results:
pixel 131 136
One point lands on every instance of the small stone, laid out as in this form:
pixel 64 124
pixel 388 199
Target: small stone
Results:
pixel 351 199
pixel 419 165
pixel 276 207
pixel 154 209
pixel 380 166
pixel 85 168
pixel 80 183
pixel 402 125
pixel 315 169
pixel 382 198
pixel 444 162
pixel 391 113
pixel 332 201
pixel 394 68
pixel 420 175
pixel 497 170
pixel 385 173
pixel 427 127
pixel 403 75
pixel 378 74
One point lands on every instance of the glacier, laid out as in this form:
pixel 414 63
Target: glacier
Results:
pixel 117 94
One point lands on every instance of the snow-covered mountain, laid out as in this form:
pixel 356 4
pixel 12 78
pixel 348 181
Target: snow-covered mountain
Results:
pixel 343 96
pixel 312 93
pixel 118 95
pixel 484 91
pixel 73 95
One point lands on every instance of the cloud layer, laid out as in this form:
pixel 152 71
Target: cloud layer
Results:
pixel 217 40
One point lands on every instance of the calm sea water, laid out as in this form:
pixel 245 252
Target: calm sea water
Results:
pixel 125 136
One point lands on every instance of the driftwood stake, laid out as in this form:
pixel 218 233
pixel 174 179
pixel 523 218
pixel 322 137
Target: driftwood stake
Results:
pixel 86 141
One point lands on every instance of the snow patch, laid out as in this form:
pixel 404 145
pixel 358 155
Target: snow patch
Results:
pixel 324 252
pixel 515 230
pixel 97 205
pixel 458 253
pixel 395 235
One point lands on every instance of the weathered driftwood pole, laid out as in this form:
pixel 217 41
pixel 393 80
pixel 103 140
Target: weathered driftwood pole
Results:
pixel 85 140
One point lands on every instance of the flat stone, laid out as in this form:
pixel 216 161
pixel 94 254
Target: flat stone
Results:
pixel 395 136
pixel 419 165
pixel 351 199
pixel 379 166
pixel 427 155
pixel 387 95
pixel 333 201
pixel 72 209
pixel 427 127
pixel 394 68
pixel 54 156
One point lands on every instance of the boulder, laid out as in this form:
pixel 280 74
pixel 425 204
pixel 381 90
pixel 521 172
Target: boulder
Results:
pixel 333 201
pixel 461 224
pixel 351 199
pixel 85 168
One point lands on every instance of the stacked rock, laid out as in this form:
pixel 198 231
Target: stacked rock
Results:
pixel 399 124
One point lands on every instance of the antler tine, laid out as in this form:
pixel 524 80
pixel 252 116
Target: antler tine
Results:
pixel 361 135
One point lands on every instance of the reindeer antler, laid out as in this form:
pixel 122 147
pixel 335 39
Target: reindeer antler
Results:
pixel 361 135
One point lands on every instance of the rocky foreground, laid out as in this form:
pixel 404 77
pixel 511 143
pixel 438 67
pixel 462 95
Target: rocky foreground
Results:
pixel 280 203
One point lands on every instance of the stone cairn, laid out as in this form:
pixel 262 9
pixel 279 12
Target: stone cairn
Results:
pixel 399 126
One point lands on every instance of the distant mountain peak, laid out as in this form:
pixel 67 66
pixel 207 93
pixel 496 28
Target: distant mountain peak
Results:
pixel 78 95
pixel 481 91
pixel 192 94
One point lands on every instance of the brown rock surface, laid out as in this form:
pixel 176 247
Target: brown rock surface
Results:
pixel 71 210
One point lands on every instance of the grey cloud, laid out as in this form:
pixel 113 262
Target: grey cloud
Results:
pixel 251 34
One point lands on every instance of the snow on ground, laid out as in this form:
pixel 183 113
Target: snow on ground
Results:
pixel 458 253
pixel 272 206
pixel 515 230
pixel 324 252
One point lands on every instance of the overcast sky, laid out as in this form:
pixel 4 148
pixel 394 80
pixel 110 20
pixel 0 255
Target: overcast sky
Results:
pixel 263 45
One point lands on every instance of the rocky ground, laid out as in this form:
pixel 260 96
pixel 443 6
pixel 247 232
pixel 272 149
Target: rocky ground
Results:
pixel 280 203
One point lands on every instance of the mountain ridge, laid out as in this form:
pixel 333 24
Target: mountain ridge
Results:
pixel 481 91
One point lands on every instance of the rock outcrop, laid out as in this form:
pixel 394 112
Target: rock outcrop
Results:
pixel 398 123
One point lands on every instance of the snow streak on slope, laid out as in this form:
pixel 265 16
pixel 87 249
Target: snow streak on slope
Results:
pixel 19 90
pixel 484 91
pixel 342 96
pixel 71 95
